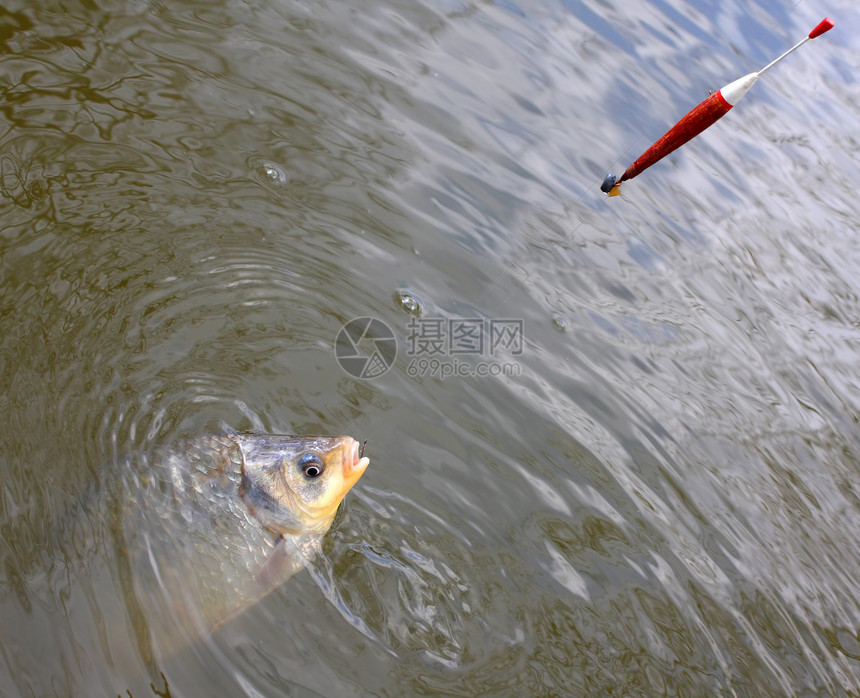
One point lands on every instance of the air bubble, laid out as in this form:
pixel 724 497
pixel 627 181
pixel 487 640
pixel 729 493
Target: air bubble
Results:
pixel 274 173
pixel 408 302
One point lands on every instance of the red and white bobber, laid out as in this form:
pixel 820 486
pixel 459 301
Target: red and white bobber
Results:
pixel 700 117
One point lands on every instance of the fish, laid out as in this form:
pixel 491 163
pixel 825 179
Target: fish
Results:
pixel 203 528
pixel 156 562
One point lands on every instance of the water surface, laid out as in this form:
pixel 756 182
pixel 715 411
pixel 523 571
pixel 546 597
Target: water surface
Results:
pixel 656 496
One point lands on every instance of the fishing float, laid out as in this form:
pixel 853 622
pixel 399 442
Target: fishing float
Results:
pixel 701 116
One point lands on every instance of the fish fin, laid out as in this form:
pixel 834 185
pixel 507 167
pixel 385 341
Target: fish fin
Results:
pixel 283 562
pixel 286 558
pixel 615 191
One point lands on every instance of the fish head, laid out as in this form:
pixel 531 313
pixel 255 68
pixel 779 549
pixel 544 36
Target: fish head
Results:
pixel 294 484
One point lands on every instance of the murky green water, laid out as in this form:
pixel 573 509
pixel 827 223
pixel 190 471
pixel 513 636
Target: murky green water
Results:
pixel 648 487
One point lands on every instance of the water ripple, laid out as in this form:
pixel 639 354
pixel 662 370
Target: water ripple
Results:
pixel 660 501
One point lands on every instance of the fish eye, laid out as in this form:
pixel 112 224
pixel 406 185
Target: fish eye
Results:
pixel 311 466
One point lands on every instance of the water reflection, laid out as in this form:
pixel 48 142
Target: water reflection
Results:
pixel 195 199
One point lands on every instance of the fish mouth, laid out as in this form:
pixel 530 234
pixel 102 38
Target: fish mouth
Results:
pixel 353 463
